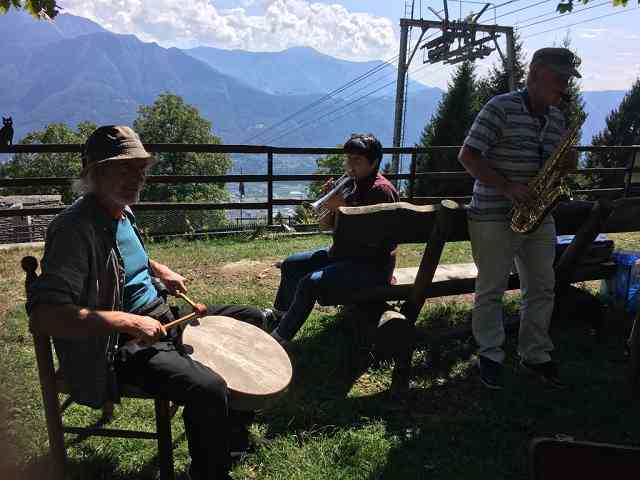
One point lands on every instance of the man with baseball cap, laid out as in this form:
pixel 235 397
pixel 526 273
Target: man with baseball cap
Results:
pixel 510 140
pixel 97 291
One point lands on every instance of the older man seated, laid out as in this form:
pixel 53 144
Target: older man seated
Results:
pixel 96 294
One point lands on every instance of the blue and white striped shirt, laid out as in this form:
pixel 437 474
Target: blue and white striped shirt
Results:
pixel 516 143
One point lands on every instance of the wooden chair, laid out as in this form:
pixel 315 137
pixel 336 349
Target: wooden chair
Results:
pixel 560 459
pixel 52 384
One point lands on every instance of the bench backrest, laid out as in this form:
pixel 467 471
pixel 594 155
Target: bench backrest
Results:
pixel 407 223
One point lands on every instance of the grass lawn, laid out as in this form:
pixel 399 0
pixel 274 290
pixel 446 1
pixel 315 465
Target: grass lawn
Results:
pixel 337 420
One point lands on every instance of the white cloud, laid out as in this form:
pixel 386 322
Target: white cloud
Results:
pixel 331 29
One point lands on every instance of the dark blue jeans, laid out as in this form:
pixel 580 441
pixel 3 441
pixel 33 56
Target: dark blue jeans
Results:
pixel 309 276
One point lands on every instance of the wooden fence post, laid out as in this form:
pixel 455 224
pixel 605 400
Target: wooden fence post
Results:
pixel 412 176
pixel 411 308
pixel 632 164
pixel 270 188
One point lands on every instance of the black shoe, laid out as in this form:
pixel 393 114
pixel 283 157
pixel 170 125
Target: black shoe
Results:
pixel 491 373
pixel 546 371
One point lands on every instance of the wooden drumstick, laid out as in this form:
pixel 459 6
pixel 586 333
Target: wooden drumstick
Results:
pixel 181 320
pixel 199 310
pixel 186 299
pixel 198 307
pixel 172 324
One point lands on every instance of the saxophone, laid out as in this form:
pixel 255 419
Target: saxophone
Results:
pixel 548 185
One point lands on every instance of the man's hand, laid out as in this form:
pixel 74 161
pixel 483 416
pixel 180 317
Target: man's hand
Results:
pixel 147 329
pixel 172 280
pixel 328 185
pixel 519 193
pixel 175 282
pixel 334 202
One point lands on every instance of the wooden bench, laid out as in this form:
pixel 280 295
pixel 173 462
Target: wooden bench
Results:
pixel 435 225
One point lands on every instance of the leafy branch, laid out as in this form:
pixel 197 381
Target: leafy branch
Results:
pixel 566 6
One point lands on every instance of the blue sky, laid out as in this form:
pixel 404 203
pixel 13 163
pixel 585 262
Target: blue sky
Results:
pixel 369 30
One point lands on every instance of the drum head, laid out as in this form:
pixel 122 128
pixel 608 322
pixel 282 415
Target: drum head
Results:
pixel 256 368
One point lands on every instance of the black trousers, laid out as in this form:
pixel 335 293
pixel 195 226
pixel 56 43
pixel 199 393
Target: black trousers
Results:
pixel 162 370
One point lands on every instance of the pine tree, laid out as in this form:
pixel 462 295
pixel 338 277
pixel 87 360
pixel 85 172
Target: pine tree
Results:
pixel 497 80
pixel 622 128
pixel 574 104
pixel 448 126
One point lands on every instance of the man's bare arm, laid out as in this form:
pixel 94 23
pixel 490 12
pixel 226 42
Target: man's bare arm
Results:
pixel 71 321
pixel 172 280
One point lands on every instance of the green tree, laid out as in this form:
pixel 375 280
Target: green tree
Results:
pixel 567 5
pixel 573 106
pixel 48 164
pixel 622 128
pixel 496 81
pixel 171 120
pixel 329 165
pixel 34 7
pixel 448 126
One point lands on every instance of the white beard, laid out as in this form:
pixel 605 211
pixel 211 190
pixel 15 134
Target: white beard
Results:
pixel 122 199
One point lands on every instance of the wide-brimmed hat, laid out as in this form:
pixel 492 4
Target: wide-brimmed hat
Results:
pixel 111 143
pixel 560 60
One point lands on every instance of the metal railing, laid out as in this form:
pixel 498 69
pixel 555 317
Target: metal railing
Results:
pixel 270 178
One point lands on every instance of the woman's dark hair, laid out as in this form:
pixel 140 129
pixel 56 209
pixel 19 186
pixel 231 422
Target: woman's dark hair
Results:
pixel 365 144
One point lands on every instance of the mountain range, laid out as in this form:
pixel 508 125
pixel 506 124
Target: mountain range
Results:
pixel 279 73
pixel 72 70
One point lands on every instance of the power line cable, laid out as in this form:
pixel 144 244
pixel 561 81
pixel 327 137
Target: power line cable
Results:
pixel 345 98
pixel 329 95
pixel 382 87
pixel 506 3
pixel 579 23
pixel 521 9
pixel 314 120
pixel 353 82
pixel 379 99
pixel 553 16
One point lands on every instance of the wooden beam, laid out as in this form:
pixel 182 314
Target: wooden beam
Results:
pixel 399 222
pixel 411 308
pixel 625 217
pixel 387 222
pixel 583 238
pixel 431 258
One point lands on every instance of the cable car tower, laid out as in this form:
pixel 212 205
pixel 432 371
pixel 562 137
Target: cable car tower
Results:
pixel 459 40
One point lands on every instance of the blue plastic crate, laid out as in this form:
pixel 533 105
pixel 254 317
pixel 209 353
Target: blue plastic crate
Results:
pixel 624 286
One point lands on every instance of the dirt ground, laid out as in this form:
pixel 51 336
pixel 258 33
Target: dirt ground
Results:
pixel 265 272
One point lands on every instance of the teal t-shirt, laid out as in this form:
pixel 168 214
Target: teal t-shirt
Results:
pixel 138 289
